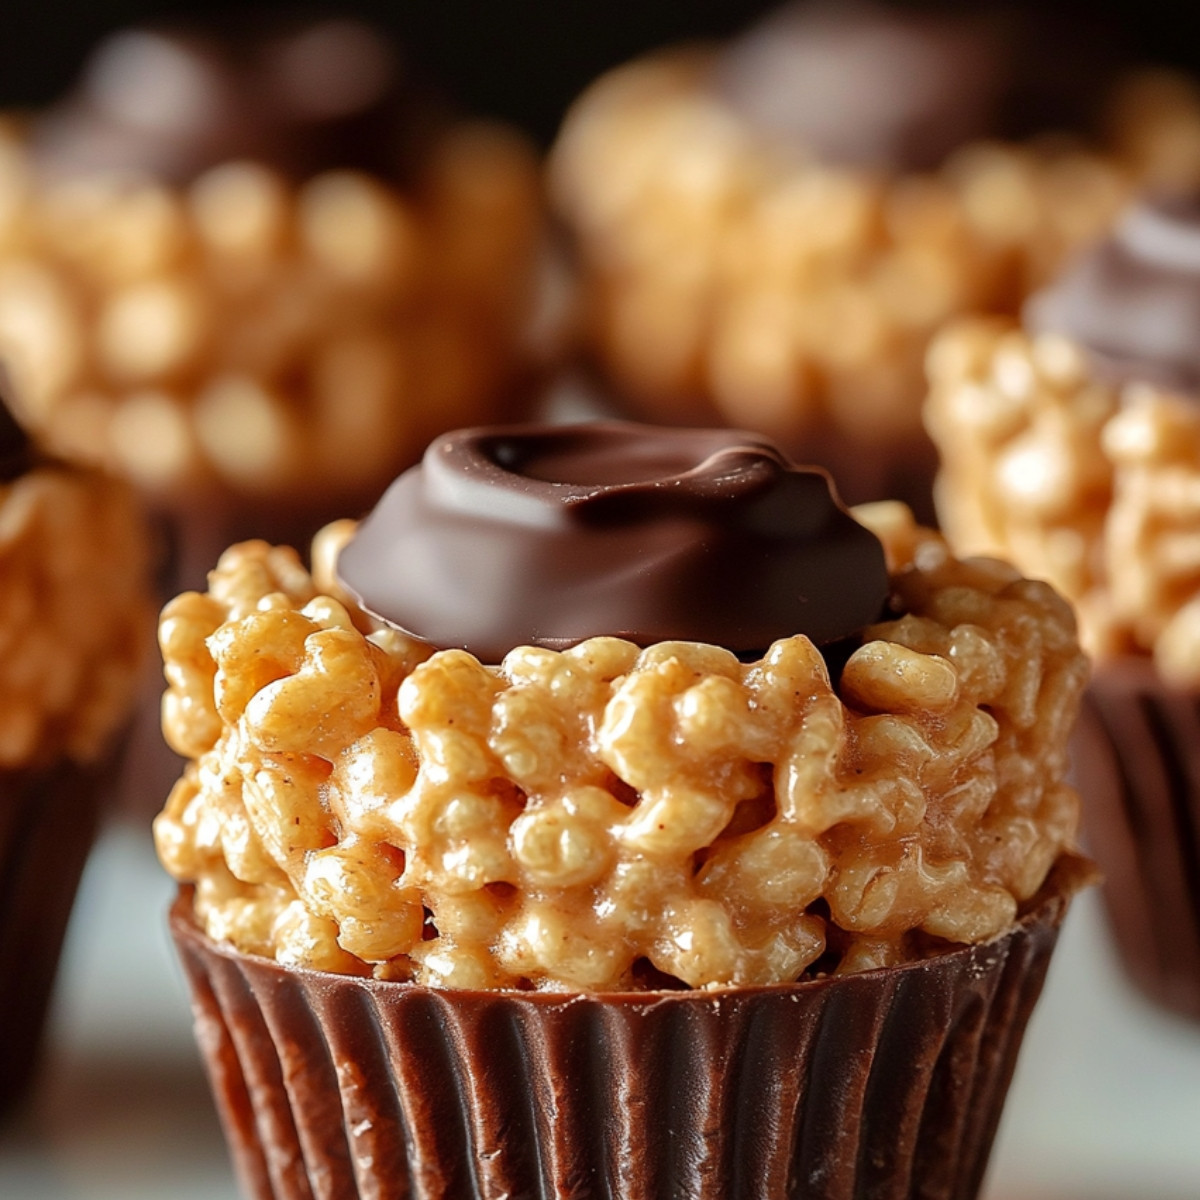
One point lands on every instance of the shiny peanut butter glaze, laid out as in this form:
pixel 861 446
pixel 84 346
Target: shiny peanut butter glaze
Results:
pixel 546 536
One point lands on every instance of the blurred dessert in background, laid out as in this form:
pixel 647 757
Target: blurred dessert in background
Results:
pixel 1071 446
pixel 771 231
pixel 75 608
pixel 261 267
pixel 253 272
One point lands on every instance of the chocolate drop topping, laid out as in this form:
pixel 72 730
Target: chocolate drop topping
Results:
pixel 884 86
pixel 171 102
pixel 16 446
pixel 865 84
pixel 548 535
pixel 1132 301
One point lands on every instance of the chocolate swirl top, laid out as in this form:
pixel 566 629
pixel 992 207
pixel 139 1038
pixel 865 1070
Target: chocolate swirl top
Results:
pixel 547 535
pixel 1133 300
pixel 173 102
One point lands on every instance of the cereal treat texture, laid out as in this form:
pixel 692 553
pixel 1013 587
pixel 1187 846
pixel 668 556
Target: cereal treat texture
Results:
pixel 209 333
pixel 606 817
pixel 796 295
pixel 1089 483
pixel 75 614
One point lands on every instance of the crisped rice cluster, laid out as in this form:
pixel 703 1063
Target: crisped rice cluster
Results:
pixel 608 817
pixel 214 332
pixel 75 614
pixel 1091 485
pixel 797 295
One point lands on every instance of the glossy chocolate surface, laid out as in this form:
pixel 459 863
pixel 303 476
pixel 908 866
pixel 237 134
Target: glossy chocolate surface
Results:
pixel 547 535
pixel 172 102
pixel 885 1085
pixel 1137 766
pixel 1133 300
pixel 16 447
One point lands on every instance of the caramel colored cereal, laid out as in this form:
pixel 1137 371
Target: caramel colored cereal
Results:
pixel 211 333
pixel 1092 485
pixel 359 803
pixel 74 610
pixel 796 296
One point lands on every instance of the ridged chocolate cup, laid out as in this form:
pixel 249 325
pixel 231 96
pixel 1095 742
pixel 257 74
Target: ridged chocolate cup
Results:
pixel 1136 761
pixel 885 1084
pixel 48 822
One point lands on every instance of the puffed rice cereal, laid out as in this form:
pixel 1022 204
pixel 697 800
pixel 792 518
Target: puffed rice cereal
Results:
pixel 606 817
pixel 74 614
pixel 1092 485
pixel 798 296
pixel 212 333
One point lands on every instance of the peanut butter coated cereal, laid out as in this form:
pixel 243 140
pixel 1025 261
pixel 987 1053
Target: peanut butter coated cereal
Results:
pixel 794 294
pixel 1090 483
pixel 601 817
pixel 212 332
pixel 74 613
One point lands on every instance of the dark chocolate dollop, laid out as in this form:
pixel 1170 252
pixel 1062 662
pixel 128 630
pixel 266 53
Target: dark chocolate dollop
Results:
pixel 880 85
pixel 1133 300
pixel 16 446
pixel 172 102
pixel 547 535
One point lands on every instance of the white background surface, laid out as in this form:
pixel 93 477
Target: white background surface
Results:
pixel 1105 1106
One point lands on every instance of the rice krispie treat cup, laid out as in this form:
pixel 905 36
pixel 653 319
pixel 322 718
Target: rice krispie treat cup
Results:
pixel 1072 447
pixel 770 233
pixel 709 840
pixel 74 611
pixel 252 270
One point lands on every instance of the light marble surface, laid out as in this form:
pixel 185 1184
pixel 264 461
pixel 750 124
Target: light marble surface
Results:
pixel 1105 1106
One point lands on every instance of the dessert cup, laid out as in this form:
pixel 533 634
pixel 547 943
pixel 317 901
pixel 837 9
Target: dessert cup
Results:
pixel 1071 446
pixel 285 283
pixel 48 820
pixel 1136 767
pixel 760 914
pixel 887 1084
pixel 771 244
pixel 75 613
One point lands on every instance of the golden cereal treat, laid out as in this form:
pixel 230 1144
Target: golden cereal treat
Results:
pixel 74 614
pixel 511 897
pixel 261 311
pixel 1073 448
pixel 1089 482
pixel 356 802
pixel 730 273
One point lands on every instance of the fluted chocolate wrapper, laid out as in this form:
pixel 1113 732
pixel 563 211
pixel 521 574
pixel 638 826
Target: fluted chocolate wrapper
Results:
pixel 1136 759
pixel 48 822
pixel 885 1084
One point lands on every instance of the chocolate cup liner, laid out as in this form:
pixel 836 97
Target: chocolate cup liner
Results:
pixel 1136 761
pixel 48 822
pixel 886 1084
